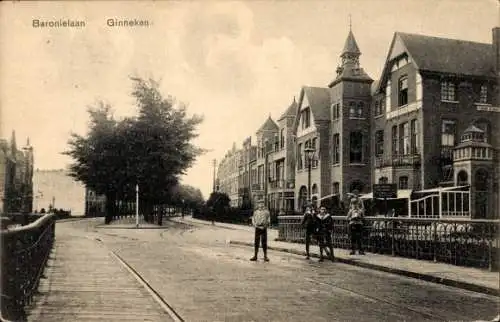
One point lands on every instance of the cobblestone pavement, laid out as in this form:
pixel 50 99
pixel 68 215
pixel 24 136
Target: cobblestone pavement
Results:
pixel 206 279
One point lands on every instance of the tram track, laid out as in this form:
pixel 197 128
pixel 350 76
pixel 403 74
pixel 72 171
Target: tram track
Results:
pixel 165 306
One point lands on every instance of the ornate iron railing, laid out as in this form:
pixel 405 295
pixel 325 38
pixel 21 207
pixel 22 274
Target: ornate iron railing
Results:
pixel 398 160
pixel 25 251
pixel 472 243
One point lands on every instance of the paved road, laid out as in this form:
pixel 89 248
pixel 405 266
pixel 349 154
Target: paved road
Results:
pixel 204 278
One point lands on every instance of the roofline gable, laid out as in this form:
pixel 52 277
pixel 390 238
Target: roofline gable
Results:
pixel 297 114
pixel 386 70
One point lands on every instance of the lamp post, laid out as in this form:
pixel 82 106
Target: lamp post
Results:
pixel 309 152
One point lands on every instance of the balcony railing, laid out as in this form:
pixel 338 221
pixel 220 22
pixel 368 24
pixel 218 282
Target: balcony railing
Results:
pixel 281 184
pixel 25 251
pixel 398 160
pixel 472 243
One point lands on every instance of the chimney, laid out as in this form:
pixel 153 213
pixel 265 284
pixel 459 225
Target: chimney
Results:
pixel 496 49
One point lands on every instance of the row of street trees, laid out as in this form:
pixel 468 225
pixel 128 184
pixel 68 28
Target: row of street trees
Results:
pixel 152 149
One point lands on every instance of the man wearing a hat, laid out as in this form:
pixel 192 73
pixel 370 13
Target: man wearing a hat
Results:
pixel 261 219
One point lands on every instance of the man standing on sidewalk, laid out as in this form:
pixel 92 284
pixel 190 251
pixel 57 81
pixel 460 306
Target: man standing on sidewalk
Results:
pixel 261 219
pixel 309 224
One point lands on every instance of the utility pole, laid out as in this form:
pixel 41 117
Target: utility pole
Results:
pixel 137 206
pixel 214 163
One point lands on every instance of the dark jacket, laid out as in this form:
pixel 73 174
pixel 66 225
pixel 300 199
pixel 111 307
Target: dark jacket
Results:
pixel 324 225
pixel 309 222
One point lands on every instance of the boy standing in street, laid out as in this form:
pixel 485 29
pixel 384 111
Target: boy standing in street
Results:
pixel 261 220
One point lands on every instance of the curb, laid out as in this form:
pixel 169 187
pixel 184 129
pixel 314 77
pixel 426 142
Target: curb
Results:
pixel 420 276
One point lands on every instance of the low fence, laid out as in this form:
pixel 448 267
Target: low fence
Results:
pixel 25 251
pixel 12 220
pixel 473 243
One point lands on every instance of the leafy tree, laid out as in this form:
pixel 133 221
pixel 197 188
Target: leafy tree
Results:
pixel 151 150
pixel 218 201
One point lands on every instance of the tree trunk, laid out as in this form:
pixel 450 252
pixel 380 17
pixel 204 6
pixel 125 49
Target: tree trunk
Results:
pixel 110 207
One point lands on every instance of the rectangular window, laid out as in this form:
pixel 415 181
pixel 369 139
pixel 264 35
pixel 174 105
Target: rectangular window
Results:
pixel 336 111
pixel 403 91
pixel 448 91
pixel 394 137
pixel 299 157
pixel 314 145
pixel 336 148
pixel 282 138
pixel 356 147
pixel 379 143
pixel 448 133
pixel 260 174
pixel 403 182
pixel 388 97
pixel 414 137
pixel 483 94
pixel 352 110
pixel 406 138
pixel 418 87
pixel 306 118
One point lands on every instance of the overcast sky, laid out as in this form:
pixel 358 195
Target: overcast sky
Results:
pixel 233 62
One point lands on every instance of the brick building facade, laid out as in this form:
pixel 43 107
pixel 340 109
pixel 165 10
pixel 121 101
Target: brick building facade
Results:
pixel 408 128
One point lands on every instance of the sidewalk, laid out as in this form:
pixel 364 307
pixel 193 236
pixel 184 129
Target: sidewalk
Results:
pixel 471 279
pixel 84 282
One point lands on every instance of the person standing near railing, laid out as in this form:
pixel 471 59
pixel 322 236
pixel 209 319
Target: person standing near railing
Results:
pixel 324 224
pixel 355 216
pixel 308 223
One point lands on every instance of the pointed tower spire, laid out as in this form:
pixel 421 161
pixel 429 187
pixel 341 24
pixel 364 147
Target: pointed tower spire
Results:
pixel 350 67
pixel 350 46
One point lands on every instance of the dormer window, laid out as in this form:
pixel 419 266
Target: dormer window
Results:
pixel 403 91
pixel 483 94
pixel 448 91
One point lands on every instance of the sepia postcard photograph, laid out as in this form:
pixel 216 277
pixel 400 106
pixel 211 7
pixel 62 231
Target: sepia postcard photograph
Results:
pixel 252 160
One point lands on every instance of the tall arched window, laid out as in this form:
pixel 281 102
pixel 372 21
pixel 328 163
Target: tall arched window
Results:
pixel 314 189
pixel 302 198
pixel 462 178
pixel 336 188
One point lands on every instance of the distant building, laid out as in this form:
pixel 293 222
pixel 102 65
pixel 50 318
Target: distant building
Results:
pixel 16 176
pixel 55 188
pixel 227 175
